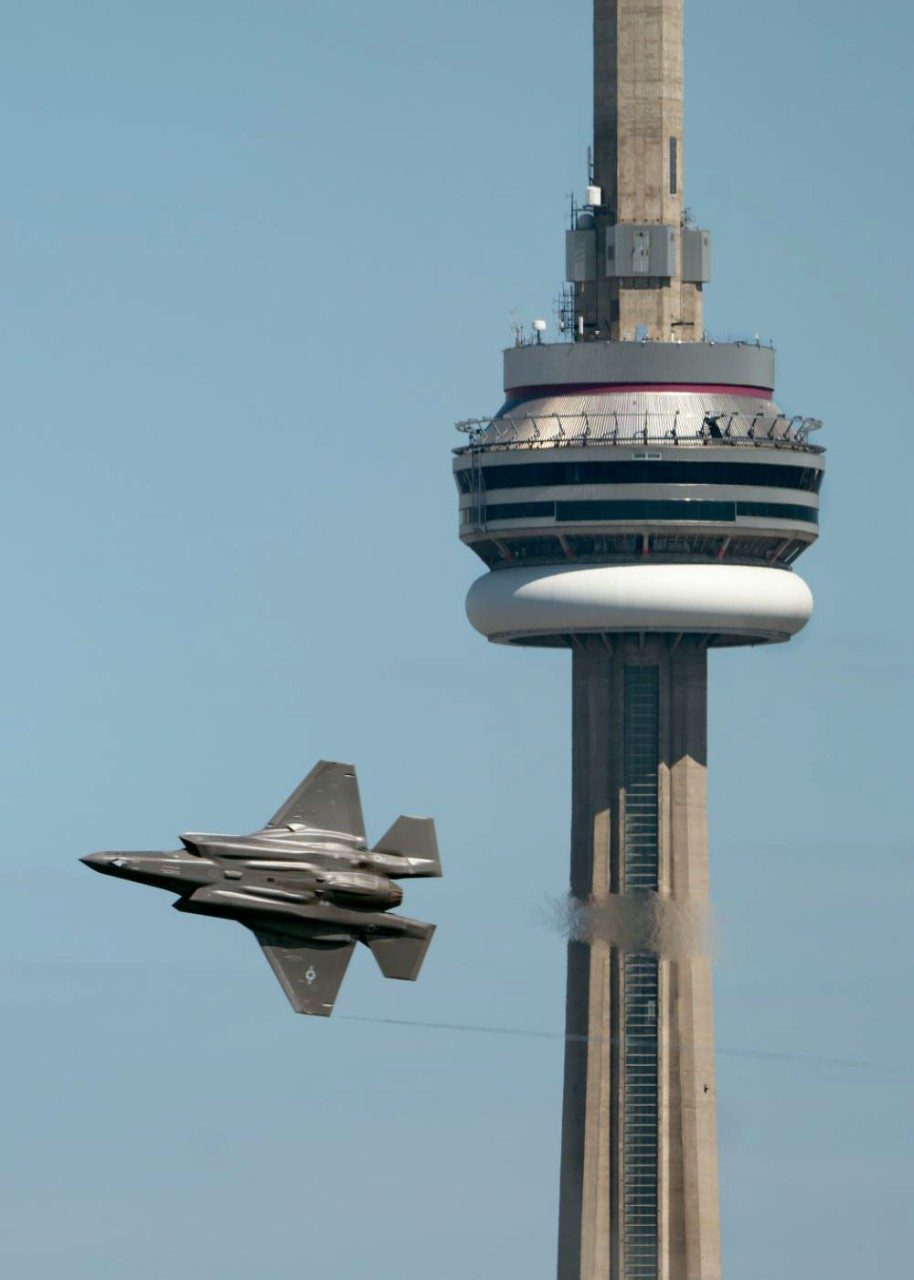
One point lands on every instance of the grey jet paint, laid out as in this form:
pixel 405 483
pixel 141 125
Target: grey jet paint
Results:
pixel 306 885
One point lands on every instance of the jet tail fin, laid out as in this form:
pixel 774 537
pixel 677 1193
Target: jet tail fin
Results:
pixel 414 840
pixel 402 957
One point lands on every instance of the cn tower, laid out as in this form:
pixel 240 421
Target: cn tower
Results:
pixel 638 499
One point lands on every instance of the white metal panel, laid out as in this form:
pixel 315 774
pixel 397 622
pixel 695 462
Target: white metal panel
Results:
pixel 734 600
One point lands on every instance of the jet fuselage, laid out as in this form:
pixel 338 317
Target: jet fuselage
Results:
pixel 268 868
pixel 306 889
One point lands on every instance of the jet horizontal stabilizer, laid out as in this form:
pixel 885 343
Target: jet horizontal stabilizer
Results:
pixel 401 957
pixel 414 840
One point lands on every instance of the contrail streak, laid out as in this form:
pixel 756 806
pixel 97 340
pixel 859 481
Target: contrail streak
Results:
pixel 769 1055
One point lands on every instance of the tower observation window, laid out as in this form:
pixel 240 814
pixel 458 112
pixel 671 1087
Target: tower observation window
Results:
pixel 638 510
pixel 674 167
pixel 530 474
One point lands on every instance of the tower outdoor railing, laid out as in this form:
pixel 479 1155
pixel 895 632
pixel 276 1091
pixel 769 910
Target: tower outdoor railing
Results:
pixel 577 430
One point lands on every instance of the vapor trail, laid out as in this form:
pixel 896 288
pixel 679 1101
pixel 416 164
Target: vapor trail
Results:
pixel 803 1059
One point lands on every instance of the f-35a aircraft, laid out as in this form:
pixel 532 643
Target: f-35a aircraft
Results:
pixel 306 885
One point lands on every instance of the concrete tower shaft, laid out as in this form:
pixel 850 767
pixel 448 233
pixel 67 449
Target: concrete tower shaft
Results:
pixel 654 273
pixel 639 1057
pixel 638 111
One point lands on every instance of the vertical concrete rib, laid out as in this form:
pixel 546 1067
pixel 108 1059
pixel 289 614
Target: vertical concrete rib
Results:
pixel 587 1115
pixel 639 1161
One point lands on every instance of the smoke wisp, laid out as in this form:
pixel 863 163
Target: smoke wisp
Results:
pixel 645 922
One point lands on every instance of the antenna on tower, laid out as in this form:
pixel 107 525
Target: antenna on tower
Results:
pixel 590 166
pixel 563 308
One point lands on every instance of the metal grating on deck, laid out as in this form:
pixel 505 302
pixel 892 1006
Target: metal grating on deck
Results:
pixel 641 1057
pixel 640 1147
pixel 642 759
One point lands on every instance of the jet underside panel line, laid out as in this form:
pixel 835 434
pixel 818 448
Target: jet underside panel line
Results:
pixel 236 904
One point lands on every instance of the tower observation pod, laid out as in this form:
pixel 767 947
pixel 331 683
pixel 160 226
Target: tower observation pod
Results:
pixel 639 499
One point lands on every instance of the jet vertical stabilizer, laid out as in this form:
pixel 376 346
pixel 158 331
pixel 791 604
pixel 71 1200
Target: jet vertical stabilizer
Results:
pixel 413 840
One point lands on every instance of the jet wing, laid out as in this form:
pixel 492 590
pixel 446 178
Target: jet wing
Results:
pixel 310 972
pixel 328 800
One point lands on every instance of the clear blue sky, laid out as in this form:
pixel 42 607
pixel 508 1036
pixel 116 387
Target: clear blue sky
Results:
pixel 256 259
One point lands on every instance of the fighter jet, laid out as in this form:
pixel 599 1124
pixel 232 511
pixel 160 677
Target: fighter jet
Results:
pixel 306 885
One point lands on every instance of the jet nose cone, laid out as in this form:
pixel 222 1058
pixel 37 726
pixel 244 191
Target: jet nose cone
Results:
pixel 103 861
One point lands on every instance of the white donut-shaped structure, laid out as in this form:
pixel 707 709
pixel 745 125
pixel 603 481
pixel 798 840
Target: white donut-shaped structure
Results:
pixel 743 603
